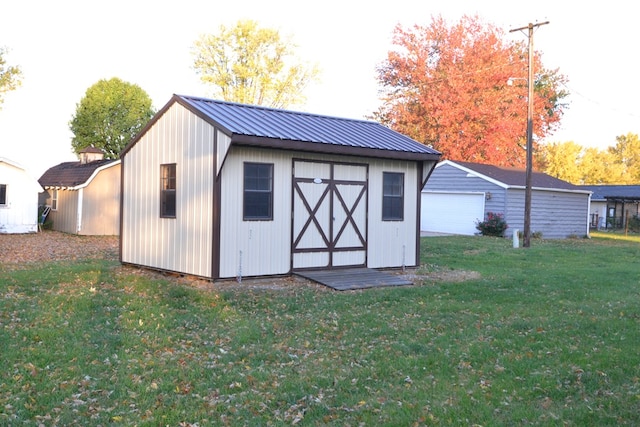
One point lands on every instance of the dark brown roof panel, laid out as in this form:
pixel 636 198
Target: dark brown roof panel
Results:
pixel 287 129
pixel 517 176
pixel 71 174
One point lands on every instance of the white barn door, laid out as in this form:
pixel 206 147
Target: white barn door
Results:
pixel 329 214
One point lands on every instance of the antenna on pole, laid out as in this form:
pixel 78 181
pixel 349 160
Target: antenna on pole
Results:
pixel 526 240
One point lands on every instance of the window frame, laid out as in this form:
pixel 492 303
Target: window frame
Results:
pixel 3 195
pixel 167 181
pixel 392 202
pixel 54 199
pixel 248 192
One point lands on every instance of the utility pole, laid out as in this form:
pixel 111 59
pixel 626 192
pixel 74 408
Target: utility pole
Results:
pixel 526 241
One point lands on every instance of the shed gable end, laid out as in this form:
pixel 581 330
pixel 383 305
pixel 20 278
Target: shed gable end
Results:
pixel 176 137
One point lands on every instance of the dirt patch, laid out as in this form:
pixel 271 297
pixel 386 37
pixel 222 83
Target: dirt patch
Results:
pixel 288 284
pixel 291 283
pixel 47 246
pixel 55 246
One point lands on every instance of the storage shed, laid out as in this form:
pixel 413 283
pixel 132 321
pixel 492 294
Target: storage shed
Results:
pixel 84 196
pixel 18 199
pixel 459 194
pixel 224 190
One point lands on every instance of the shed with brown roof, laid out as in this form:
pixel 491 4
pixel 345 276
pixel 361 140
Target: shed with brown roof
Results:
pixel 84 196
pixel 460 194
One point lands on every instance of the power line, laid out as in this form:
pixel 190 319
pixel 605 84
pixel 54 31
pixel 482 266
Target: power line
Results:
pixel 598 103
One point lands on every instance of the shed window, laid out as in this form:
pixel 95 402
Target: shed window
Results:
pixel 258 191
pixel 54 200
pixel 168 190
pixel 3 194
pixel 392 196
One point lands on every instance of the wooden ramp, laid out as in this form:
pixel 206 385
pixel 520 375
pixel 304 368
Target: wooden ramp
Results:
pixel 346 279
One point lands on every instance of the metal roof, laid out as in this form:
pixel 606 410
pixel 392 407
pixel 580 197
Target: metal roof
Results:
pixel 276 128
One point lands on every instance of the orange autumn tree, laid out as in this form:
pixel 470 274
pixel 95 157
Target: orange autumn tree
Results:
pixel 448 87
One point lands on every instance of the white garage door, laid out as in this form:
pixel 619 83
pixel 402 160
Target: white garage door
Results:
pixel 455 213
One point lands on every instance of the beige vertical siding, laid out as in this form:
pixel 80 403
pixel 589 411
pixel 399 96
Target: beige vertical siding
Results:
pixel 181 244
pixel 255 248
pixel 65 216
pixel 392 243
pixel 101 204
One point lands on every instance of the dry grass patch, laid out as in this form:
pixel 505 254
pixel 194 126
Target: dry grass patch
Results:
pixel 49 246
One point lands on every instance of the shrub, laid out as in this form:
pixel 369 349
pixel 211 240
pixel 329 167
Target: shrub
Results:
pixel 493 225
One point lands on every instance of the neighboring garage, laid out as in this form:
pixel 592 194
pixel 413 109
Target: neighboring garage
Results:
pixel 455 213
pixel 458 194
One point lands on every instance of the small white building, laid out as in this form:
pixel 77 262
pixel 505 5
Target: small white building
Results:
pixel 221 190
pixel 18 199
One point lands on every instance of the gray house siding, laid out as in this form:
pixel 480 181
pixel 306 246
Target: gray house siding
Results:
pixel 557 215
pixel 453 180
pixel 557 211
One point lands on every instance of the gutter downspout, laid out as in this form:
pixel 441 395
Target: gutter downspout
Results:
pixel 589 216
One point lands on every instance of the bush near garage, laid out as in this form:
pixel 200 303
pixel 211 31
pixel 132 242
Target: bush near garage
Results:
pixel 493 225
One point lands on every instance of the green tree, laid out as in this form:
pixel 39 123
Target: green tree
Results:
pixel 252 65
pixel 447 86
pixel 109 115
pixel 10 76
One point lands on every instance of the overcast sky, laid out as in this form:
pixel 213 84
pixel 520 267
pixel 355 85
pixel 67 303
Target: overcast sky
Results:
pixel 65 46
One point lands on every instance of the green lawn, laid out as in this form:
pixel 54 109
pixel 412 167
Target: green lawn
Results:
pixel 548 335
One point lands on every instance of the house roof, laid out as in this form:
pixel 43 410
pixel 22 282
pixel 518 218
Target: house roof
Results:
pixel 275 128
pixel 513 177
pixel 11 162
pixel 22 171
pixel 73 174
pixel 615 192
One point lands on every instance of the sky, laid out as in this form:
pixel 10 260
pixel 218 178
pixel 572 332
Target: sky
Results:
pixel 66 46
